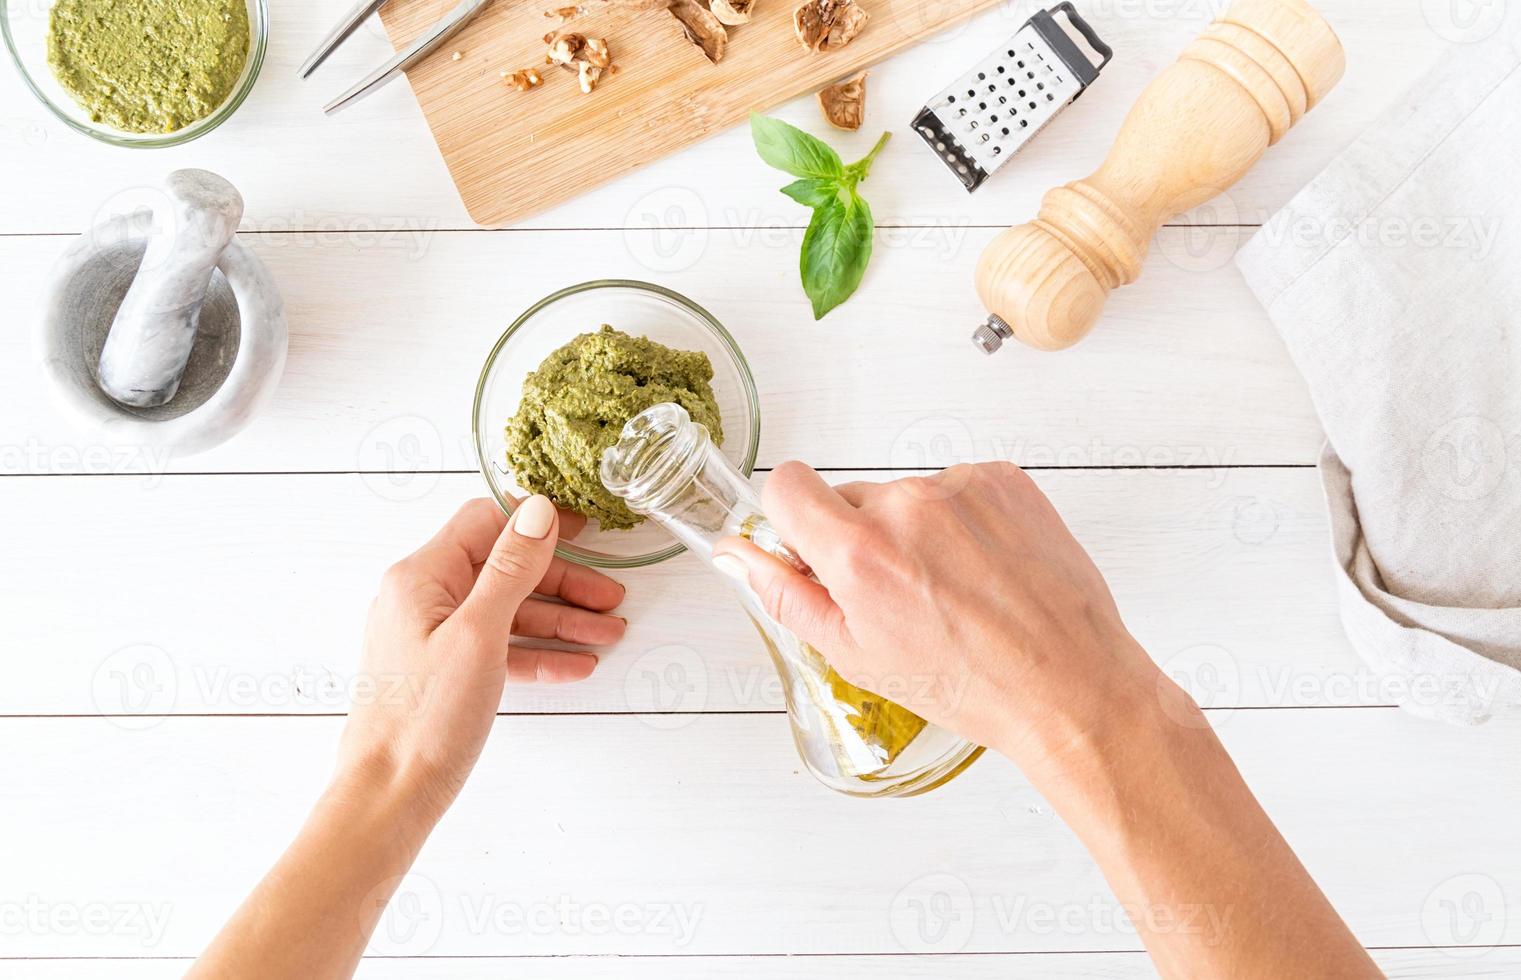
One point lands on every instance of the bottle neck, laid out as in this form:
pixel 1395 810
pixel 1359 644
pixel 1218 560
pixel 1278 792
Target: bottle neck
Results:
pixel 666 468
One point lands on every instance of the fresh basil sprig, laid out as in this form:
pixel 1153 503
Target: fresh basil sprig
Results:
pixel 837 244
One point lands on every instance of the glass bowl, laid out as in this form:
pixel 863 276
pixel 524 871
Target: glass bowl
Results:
pixel 637 308
pixel 24 24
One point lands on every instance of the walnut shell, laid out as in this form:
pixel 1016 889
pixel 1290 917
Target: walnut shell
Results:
pixel 849 20
pixel 824 25
pixel 732 12
pixel 811 20
pixel 844 103
pixel 701 27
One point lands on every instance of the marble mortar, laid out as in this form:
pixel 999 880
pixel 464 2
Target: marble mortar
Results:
pixel 234 364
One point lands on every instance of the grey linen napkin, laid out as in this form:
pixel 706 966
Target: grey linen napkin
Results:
pixel 1394 278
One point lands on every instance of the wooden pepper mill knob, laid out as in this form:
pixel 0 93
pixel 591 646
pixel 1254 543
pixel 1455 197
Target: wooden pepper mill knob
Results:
pixel 1194 131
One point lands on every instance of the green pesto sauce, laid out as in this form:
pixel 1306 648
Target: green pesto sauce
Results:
pixel 574 406
pixel 148 66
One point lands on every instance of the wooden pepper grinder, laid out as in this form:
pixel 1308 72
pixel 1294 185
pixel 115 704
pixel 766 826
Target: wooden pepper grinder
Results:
pixel 1194 131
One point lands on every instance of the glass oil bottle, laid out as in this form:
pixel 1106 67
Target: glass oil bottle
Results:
pixel 666 467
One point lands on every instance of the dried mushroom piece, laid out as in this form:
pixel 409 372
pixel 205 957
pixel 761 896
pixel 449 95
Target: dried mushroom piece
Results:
pixel 825 25
pixel 701 27
pixel 732 12
pixel 844 103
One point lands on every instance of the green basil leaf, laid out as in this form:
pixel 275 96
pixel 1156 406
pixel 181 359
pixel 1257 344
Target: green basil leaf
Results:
pixel 836 248
pixel 812 192
pixel 793 151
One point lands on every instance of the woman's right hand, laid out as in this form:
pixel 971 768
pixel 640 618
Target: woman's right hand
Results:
pixel 962 596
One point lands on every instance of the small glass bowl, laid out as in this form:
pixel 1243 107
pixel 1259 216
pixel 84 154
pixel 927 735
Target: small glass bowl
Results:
pixel 642 310
pixel 24 24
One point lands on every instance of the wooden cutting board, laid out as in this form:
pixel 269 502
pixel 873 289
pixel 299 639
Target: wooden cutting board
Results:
pixel 513 154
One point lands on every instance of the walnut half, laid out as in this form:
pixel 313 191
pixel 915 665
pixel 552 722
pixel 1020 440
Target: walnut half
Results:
pixel 844 103
pixel 523 79
pixel 588 57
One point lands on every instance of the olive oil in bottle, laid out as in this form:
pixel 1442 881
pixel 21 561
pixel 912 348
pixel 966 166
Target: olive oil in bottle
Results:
pixel 666 468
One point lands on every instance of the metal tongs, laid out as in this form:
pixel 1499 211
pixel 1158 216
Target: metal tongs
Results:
pixel 419 49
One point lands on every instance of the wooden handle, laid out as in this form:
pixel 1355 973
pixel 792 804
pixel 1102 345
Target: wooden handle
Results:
pixel 1194 131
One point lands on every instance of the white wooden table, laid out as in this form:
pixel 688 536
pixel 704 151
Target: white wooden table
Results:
pixel 178 639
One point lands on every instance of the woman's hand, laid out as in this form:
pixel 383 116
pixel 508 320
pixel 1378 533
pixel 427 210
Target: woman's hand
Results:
pixel 961 595
pixel 964 597
pixel 437 650
pixel 439 644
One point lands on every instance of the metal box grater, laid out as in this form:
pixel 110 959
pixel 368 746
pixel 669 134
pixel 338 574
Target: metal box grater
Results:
pixel 989 114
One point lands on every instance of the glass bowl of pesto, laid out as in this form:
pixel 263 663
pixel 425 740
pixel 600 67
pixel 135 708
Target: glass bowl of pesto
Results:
pixel 639 309
pixel 66 49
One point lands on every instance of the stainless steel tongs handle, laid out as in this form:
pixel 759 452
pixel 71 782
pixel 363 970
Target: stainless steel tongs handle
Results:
pixel 339 34
pixel 419 49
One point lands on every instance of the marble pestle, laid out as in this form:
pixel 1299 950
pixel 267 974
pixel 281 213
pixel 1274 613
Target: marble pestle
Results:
pixel 154 329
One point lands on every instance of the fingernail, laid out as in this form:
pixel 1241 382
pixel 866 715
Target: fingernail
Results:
pixel 732 567
pixel 534 517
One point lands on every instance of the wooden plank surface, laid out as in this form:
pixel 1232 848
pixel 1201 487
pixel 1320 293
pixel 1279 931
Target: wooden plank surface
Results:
pixel 388 337
pixel 375 170
pixel 513 154
pixel 713 841
pixel 1398 964
pixel 252 581
pixel 246 595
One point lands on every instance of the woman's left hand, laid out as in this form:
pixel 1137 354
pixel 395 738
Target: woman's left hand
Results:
pixel 443 637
